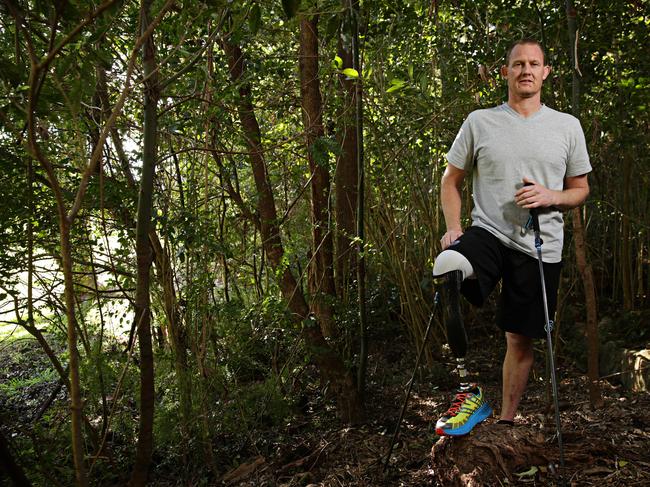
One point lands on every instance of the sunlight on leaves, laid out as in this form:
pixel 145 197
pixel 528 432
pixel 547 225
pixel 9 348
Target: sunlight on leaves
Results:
pixel 351 73
pixel 396 84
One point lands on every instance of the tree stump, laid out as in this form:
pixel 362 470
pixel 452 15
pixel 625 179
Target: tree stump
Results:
pixel 489 454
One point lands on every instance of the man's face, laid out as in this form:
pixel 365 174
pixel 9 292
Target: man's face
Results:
pixel 525 71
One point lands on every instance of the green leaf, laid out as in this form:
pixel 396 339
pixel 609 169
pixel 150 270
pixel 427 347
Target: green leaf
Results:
pixel 322 148
pixel 622 463
pixel 337 63
pixel 396 84
pixel 351 73
pixel 255 19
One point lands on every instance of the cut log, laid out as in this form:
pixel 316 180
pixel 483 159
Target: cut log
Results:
pixel 490 454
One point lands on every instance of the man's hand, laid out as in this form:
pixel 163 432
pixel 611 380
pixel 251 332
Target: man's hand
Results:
pixel 534 195
pixel 450 237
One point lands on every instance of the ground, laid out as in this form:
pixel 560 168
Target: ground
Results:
pixel 607 446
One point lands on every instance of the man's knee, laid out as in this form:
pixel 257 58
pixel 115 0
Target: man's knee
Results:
pixel 450 260
pixel 520 346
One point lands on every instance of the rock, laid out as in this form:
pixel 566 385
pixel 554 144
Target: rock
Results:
pixel 635 365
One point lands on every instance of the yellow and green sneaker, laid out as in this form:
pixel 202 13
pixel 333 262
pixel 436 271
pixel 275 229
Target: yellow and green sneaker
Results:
pixel 467 410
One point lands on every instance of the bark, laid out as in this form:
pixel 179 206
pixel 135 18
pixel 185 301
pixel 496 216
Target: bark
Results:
pixel 330 365
pixel 350 185
pixel 488 455
pixel 322 276
pixel 144 258
pixel 584 267
pixel 345 179
pixel 494 454
pixel 76 404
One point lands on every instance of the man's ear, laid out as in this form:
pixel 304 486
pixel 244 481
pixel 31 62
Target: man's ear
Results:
pixel 547 71
pixel 504 71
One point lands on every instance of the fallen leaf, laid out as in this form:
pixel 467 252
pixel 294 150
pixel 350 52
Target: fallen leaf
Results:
pixel 528 473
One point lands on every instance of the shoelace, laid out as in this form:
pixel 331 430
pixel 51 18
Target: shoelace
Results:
pixel 457 403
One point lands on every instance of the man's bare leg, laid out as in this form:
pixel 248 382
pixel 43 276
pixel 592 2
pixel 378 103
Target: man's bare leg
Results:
pixel 516 366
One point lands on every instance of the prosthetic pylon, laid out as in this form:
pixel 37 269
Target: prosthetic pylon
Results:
pixel 453 319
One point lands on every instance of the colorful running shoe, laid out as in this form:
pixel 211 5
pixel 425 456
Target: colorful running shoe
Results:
pixel 467 410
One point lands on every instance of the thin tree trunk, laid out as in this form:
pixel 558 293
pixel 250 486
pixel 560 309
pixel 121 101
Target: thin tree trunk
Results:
pixel 584 267
pixel 346 175
pixel 586 271
pixel 360 234
pixel 322 276
pixel 330 365
pixel 78 450
pixel 164 273
pixel 626 240
pixel 65 223
pixel 144 257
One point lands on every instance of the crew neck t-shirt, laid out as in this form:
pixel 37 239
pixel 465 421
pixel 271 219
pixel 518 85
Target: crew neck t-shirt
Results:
pixel 500 147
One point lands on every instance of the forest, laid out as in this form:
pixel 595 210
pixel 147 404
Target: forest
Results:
pixel 218 223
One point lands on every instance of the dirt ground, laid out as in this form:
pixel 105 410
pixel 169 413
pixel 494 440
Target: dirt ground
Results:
pixel 608 446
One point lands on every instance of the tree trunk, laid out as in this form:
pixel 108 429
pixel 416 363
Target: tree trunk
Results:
pixel 322 276
pixel 144 257
pixel 585 270
pixel 626 240
pixel 164 272
pixel 330 365
pixel 584 267
pixel 76 403
pixel 353 10
pixel 65 223
pixel 346 176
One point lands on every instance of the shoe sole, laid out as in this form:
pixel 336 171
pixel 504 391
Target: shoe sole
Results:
pixel 480 415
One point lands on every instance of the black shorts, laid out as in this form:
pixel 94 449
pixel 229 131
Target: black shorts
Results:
pixel 521 307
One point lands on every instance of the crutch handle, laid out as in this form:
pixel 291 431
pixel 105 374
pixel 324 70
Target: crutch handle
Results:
pixel 534 214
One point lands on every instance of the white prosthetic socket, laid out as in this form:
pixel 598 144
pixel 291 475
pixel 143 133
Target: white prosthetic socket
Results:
pixel 453 267
pixel 450 260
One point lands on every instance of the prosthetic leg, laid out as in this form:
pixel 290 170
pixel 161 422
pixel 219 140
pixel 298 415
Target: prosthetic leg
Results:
pixel 469 407
pixel 451 268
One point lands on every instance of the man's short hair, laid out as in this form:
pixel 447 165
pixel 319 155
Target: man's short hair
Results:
pixel 525 40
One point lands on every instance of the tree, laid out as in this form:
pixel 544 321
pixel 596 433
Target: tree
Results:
pixel 144 253
pixel 330 365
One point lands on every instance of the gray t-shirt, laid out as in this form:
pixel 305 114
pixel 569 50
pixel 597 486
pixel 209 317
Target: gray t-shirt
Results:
pixel 499 147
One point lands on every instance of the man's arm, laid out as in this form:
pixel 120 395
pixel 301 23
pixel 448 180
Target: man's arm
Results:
pixel 451 199
pixel 534 195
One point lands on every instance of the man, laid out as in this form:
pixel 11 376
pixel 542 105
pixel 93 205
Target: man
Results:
pixel 521 155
